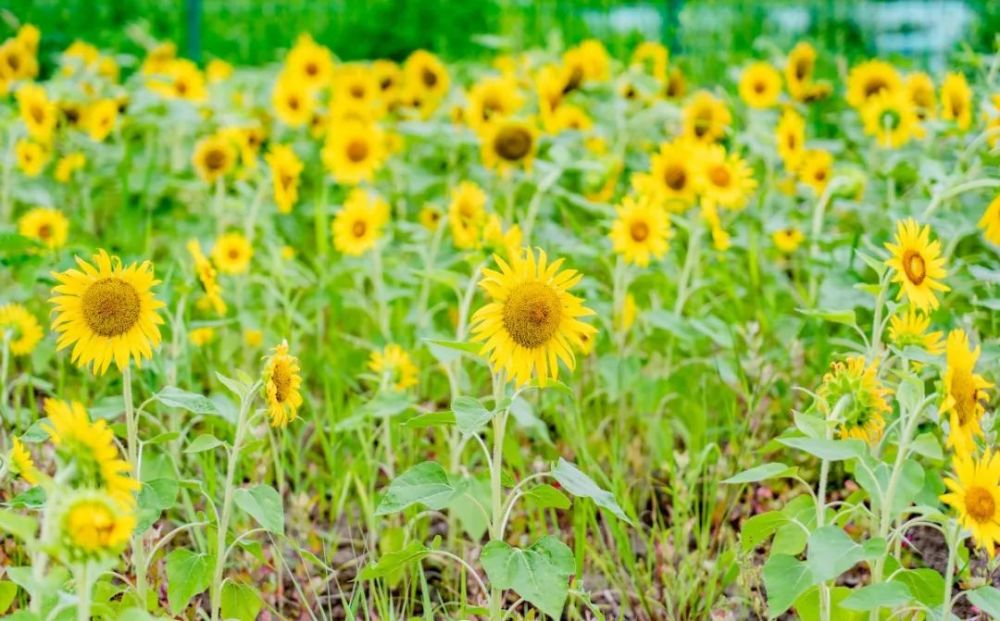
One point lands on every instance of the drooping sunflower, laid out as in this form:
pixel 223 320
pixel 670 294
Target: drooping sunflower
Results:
pixel 286 167
pixel 917 264
pixel 866 405
pixel 787 240
pixel 394 366
pixel 292 101
pixel 92 525
pixel 964 392
pixel 20 460
pixel 232 253
pixel 37 111
pixel 358 225
pixel 282 383
pixel 509 144
pixel 214 156
pixel 467 214
pixel 725 179
pixel 211 291
pixel 641 231
pixel 990 222
pixel 69 164
pixel 891 118
pixel 426 73
pixel 956 100
pixel 652 57
pixel 310 63
pixel 100 118
pixel 673 176
pixel 532 321
pixel 48 226
pixel 353 152
pixel 19 328
pixel 909 328
pixel 816 169
pixel 107 311
pixel 974 494
pixel 799 69
pixel 869 79
pixel 90 447
pixel 760 85
pixel 706 118
pixel 920 90
pixel 31 157
pixel 790 136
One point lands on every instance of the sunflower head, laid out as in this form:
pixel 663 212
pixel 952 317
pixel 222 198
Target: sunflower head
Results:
pixel 787 240
pixel 870 79
pixel 641 231
pixel 31 157
pixel 430 217
pixel 956 100
pixel 706 118
pixel 974 494
pixel 21 462
pixel 651 57
pixel 286 167
pixel 19 329
pixel 799 68
pixel 672 180
pixel 724 179
pixel 509 144
pixel 69 164
pixel 816 169
pixel 281 384
pixel 354 151
pixel 964 392
pixel 292 100
pixel 394 367
pixel 46 225
pixel 891 117
pixel 865 398
pixel 426 76
pixel 359 224
pixel 917 264
pixel 760 85
pixel 232 253
pixel 909 328
pixel 92 526
pixel 467 214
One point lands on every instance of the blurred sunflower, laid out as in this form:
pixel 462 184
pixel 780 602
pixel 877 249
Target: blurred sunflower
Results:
pixel 38 113
pixel 760 85
pixel 358 225
pixel 920 90
pixel 532 320
pixel 389 78
pixel 286 167
pixel 92 526
pixel 872 78
pixel 309 63
pixel 706 118
pixel 990 222
pixel 724 179
pixel 179 79
pixel 504 243
pixel 974 494
pixel 19 329
pixel 508 144
pixel 353 152
pixel 492 99
pixel 31 157
pixel 866 406
pixel 640 231
pixel 292 101
pixel 232 253
pixel 917 264
pixel 787 240
pixel 45 225
pixel 394 366
pixel 790 136
pixel 218 70
pixel 956 100
pixel 430 217
pixel 891 118
pixel 214 156
pixel 567 117
pixel 676 86
pixel 69 164
pixel 201 336
pixel 909 329
pixel 21 462
pixel 964 393
pixel 426 73
pixel 354 86
pixel 672 178
pixel 652 57
pixel 107 312
pixel 281 387
pixel 799 67
pixel 467 214
pixel 100 119
pixel 816 169
pixel 212 292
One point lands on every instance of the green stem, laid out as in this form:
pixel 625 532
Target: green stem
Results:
pixel 496 486
pixel 949 570
pixel 876 343
pixel 319 219
pixel 690 259
pixel 83 588
pixel 378 283
pixel 939 198
pixel 132 447
pixel 536 202
pixel 815 232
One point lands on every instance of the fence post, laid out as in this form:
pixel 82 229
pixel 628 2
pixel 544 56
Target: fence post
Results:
pixel 194 29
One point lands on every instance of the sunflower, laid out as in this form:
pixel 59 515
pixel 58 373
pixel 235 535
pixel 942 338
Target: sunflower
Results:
pixel 355 86
pixel 21 462
pixel 920 90
pixel 19 329
pixel 92 526
pixel 282 382
pixel 974 494
pixel 964 393
pixel 788 239
pixel 218 70
pixel 389 78
pixel 353 152
pixel 201 336
pixel 214 156
pixel 871 78
pixel 17 62
pixel 816 169
pixel 866 405
pixel 652 57
pixel 430 217
pixel 909 329
pixel 394 366
pixel 760 85
pixel 100 119
pixel 286 167
pixel 212 292
pixel 232 253
pixel 706 118
pixel 180 79
pixel 107 312
pixel 990 222
pixel 508 144
pixel 641 231
pixel 425 73
pixel 675 86
pixel 917 263
pixel 310 63
pixel 505 243
pixel 69 164
pixel 550 88
pixel 90 447
pixel 790 136
pixel 533 320
pixel 891 118
pixel 247 140
pixel 799 69
pixel 724 179
pixel 672 178
pixel 37 111
pixel 252 337
pixel 956 100
pixel 357 227
pixel 492 99
pixel 45 225
pixel 567 117
pixel 158 58
pixel 292 101
pixel 31 157
pixel 467 214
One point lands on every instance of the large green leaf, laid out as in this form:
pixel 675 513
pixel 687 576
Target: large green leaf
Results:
pixel 188 573
pixel 830 450
pixel 987 599
pixel 240 601
pixel 392 561
pixel 577 483
pixel 174 397
pixel 832 552
pixel 785 578
pixel 263 503
pixel 470 415
pixel 540 574
pixel 881 595
pixel 426 483
pixel 21 526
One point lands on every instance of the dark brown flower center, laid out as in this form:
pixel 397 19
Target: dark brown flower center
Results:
pixel 359 228
pixel 914 266
pixel 531 314
pixel 979 504
pixel 512 143
pixel 111 307
pixel 639 231
pixel 357 151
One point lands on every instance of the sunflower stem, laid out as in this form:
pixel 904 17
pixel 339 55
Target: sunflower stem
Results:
pixel 83 589
pixel 694 244
pixel 132 447
pixel 496 485
pixel 378 282
pixel 952 538
pixel 319 219
pixel 876 343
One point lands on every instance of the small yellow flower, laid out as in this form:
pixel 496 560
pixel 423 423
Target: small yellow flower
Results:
pixel 47 226
pixel 426 74
pixel 281 386
pixel 641 231
pixel 100 119
pixel 956 100
pixel 253 337
pixel 816 169
pixel 38 113
pixel 394 366
pixel 652 57
pixel 353 152
pixel 214 156
pixel 68 164
pixel 917 264
pixel 358 225
pixel 293 101
pixel 760 85
pixel 872 78
pixel 787 240
pixel 218 70
pixel 724 179
pixel 706 118
pixel 201 336
pixel 232 253
pixel 430 217
pixel 22 463
pixel 467 214
pixel 509 144
pixel 285 168
pixel 19 328
pixel 910 329
pixel 212 292
pixel 626 319
pixel 179 79
pixel 31 157
pixel 974 494
pixel 93 526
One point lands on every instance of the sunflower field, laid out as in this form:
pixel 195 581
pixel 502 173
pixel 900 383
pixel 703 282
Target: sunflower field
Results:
pixel 558 333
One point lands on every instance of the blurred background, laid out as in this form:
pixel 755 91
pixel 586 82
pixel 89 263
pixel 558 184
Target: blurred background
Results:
pixel 256 31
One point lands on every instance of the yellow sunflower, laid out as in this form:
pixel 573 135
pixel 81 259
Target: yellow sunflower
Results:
pixel 641 231
pixel 282 383
pixel 920 90
pixel 567 117
pixel 22 464
pixel 107 312
pixel 232 253
pixel 90 447
pixel 676 86
pixel 990 222
pixel 310 63
pixel 354 86
pixel 45 225
pixel 788 239
pixel 425 73
pixel 956 100
pixel 218 70
pixel 532 320
pixel 672 180
pixel 790 136
pixel 389 78
pixel 92 525
pixel 179 79
pixel 286 167
pixel 292 101
pixel 509 144
pixel 158 58
pixel 799 70
pixel 214 156
pixel 505 243
pixel 201 336
pixel 394 366
pixel 974 494
pixel 358 225
pixel 100 119
pixel 816 169
pixel 917 264
pixel 706 118
pixel 430 217
pixel 16 61
pixel 31 157
pixel 69 164
pixel 724 179
pixel 353 152
pixel 871 78
pixel 891 118
pixel 37 111
pixel 491 99
pixel 212 292
pixel 19 329
pixel 760 85
pixel 467 214
pixel 964 393
pixel 652 57
pixel 863 417
pixel 909 329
